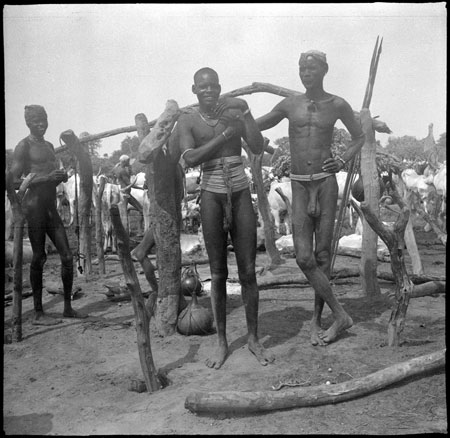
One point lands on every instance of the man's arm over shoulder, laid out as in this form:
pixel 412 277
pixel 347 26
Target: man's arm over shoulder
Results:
pixel 275 116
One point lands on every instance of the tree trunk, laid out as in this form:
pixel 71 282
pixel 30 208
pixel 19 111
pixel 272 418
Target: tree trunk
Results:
pixel 264 208
pixel 395 243
pixel 141 315
pixel 260 401
pixel 84 198
pixel 165 222
pixel 163 181
pixel 369 176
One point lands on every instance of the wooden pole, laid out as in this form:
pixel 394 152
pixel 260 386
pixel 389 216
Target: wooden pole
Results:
pixel 98 227
pixel 141 315
pixel 369 175
pixel 264 208
pixel 350 175
pixel 164 184
pixel 256 87
pixel 19 223
pixel 85 197
pixel 236 402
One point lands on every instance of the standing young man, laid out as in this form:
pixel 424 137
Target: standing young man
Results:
pixel 34 154
pixel 312 117
pixel 211 136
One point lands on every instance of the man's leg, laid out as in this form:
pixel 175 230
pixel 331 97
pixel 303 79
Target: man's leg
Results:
pixel 324 236
pixel 303 229
pixel 57 234
pixel 216 247
pixel 243 234
pixel 36 234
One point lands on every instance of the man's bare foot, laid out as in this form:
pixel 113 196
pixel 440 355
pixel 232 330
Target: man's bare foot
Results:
pixel 336 329
pixel 40 318
pixel 71 313
pixel 316 332
pixel 218 358
pixel 264 356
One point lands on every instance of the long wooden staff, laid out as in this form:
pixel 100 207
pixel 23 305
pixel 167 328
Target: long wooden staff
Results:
pixel 351 172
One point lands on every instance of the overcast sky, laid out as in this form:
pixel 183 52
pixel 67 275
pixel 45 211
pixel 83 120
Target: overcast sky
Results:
pixel 94 67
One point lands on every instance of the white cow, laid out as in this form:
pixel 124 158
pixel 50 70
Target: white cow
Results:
pixel 276 203
pixel 439 182
pixel 68 192
pixel 417 183
pixel 113 195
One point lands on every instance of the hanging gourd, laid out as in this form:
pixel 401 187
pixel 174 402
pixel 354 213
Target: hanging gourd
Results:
pixel 190 282
pixel 195 319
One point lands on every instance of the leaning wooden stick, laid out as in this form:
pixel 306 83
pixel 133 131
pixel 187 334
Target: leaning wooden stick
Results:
pixel 140 312
pixel 352 165
pixel 19 223
pixel 237 402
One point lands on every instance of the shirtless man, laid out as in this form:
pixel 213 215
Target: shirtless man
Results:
pixel 35 155
pixel 312 117
pixel 211 136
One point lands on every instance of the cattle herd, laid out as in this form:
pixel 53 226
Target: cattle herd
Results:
pixel 426 183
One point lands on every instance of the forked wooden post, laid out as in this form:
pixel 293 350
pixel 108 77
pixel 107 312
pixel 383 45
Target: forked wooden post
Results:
pixel 163 183
pixel 369 175
pixel 142 318
pixel 394 240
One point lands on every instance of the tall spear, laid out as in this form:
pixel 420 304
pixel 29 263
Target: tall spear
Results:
pixel 351 172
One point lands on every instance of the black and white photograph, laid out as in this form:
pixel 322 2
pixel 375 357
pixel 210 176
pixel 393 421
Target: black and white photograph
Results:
pixel 225 219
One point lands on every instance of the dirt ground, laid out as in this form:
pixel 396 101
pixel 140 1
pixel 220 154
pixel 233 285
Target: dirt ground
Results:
pixel 73 378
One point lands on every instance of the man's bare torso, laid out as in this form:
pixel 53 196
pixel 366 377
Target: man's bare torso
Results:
pixel 311 125
pixel 41 160
pixel 203 133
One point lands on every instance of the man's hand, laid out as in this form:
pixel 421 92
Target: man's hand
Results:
pixel 59 175
pixel 230 103
pixel 333 166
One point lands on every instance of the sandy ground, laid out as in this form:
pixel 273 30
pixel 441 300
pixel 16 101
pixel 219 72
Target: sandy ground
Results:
pixel 73 379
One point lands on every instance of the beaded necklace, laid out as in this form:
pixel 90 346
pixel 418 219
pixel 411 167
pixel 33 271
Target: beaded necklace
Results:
pixel 211 125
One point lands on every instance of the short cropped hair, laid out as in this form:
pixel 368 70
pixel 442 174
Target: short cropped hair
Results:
pixel 203 71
